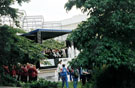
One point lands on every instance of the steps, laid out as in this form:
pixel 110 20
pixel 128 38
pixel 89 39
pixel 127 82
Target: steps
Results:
pixel 49 70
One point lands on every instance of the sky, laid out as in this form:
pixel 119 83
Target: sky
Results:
pixel 52 10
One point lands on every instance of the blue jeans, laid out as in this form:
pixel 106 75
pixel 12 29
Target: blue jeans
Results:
pixel 70 76
pixel 75 81
pixel 59 77
pixel 65 79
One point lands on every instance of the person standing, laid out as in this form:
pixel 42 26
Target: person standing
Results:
pixel 59 69
pixel 35 73
pixel 24 73
pixel 32 73
pixel 83 76
pixel 6 70
pixel 64 77
pixel 13 71
pixel 70 72
pixel 75 77
pixel 19 70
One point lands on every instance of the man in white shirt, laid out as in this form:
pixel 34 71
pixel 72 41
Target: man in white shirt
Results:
pixel 59 69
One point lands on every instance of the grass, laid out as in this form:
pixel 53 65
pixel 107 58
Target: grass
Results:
pixel 79 85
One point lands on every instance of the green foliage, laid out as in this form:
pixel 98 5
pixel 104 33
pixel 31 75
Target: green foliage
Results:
pixel 17 49
pixel 7 10
pixel 7 80
pixel 75 63
pixel 53 44
pixel 31 51
pixel 111 77
pixel 77 3
pixel 107 37
pixel 41 83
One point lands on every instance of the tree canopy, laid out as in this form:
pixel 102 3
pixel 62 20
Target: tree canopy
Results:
pixel 17 49
pixel 107 37
pixel 53 44
pixel 7 10
pixel 106 41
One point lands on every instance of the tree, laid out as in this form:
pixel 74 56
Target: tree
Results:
pixel 107 37
pixel 16 49
pixel 7 10
pixel 109 32
pixel 53 44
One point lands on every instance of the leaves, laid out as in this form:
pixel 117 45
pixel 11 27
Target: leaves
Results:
pixel 41 83
pixel 16 48
pixel 107 37
pixel 7 10
pixel 53 44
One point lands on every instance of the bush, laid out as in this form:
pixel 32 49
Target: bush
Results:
pixel 16 49
pixel 116 78
pixel 7 80
pixel 41 83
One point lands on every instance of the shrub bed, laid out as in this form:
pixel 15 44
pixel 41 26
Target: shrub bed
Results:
pixel 41 83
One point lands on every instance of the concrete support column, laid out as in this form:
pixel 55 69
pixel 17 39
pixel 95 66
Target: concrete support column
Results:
pixel 39 37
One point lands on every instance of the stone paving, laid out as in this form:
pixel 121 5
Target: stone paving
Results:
pixel 49 74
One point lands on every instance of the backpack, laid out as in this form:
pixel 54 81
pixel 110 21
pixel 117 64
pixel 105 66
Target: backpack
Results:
pixel 64 72
pixel 76 73
pixel 70 69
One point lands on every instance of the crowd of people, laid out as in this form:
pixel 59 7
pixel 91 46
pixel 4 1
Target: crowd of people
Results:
pixel 28 72
pixel 56 53
pixel 74 74
pixel 22 72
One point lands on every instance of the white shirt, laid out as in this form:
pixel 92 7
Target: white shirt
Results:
pixel 59 67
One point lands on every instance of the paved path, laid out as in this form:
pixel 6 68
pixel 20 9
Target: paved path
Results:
pixel 49 74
